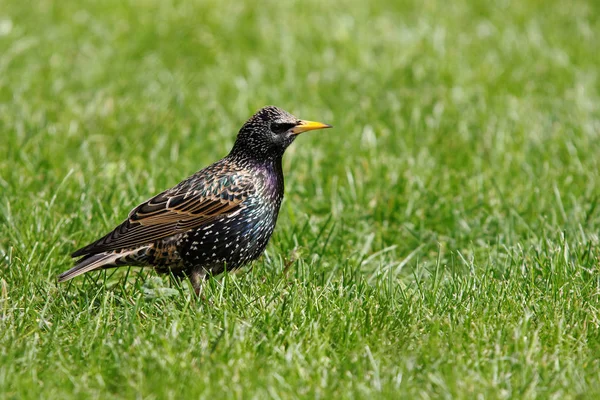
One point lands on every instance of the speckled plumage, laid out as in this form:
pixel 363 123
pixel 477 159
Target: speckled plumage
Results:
pixel 222 217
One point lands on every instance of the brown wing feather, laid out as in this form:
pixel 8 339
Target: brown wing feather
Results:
pixel 175 211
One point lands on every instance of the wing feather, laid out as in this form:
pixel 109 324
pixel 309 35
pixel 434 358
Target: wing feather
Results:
pixel 191 204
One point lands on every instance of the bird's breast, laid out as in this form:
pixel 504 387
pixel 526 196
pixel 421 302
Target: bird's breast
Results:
pixel 271 187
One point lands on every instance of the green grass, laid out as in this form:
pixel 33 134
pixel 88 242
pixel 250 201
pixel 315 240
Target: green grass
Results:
pixel 443 238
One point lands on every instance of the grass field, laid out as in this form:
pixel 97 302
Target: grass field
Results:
pixel 440 242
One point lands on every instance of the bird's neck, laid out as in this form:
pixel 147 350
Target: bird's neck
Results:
pixel 269 168
pixel 242 154
pixel 268 165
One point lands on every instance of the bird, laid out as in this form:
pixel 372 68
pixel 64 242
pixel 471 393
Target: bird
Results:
pixel 220 218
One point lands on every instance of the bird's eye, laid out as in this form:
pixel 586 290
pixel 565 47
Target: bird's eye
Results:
pixel 281 127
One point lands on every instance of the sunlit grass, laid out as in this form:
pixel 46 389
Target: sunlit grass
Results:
pixel 441 241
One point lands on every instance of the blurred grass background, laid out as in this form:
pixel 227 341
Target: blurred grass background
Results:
pixel 446 231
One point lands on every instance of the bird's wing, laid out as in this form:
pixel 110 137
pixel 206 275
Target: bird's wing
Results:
pixel 186 206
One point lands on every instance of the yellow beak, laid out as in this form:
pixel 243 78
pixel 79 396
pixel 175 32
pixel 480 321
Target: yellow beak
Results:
pixel 304 126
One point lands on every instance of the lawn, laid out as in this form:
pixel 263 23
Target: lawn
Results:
pixel 440 242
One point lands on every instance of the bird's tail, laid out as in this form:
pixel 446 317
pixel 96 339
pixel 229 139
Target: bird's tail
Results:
pixel 111 259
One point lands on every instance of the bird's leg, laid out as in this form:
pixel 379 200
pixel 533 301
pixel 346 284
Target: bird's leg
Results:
pixel 196 277
pixel 288 262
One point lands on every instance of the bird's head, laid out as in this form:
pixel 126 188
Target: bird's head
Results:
pixel 269 132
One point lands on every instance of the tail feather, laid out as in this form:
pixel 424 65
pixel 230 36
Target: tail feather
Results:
pixel 104 260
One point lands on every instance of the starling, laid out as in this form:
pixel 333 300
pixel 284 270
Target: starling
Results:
pixel 219 218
